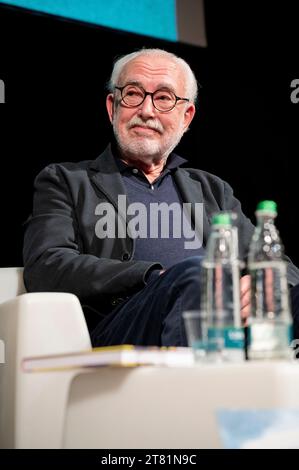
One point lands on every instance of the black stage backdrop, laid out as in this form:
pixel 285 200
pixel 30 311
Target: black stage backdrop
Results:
pixel 245 130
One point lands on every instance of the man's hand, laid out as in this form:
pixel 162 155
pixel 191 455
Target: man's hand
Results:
pixel 245 297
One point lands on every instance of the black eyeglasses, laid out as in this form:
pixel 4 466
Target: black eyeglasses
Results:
pixel 163 100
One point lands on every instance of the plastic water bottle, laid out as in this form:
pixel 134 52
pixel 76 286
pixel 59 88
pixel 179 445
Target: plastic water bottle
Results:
pixel 220 290
pixel 270 323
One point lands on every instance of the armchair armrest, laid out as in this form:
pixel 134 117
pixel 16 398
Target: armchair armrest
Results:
pixel 36 324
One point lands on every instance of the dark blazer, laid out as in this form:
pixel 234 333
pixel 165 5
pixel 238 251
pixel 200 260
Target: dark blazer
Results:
pixel 62 252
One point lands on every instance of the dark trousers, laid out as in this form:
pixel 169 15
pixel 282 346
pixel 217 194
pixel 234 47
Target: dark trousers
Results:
pixel 153 316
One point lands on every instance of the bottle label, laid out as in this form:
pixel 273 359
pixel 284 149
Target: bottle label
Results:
pixel 234 338
pixel 225 338
pixel 267 336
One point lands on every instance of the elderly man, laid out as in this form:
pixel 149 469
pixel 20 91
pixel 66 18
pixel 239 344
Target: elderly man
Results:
pixel 133 281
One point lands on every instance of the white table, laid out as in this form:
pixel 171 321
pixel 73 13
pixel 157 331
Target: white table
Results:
pixel 148 407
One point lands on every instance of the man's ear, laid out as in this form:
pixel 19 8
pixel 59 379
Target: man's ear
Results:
pixel 110 106
pixel 188 115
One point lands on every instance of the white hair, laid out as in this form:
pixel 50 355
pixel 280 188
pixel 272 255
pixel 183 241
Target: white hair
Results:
pixel 191 85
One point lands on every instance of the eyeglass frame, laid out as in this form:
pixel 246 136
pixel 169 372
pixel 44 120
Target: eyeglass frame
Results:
pixel 151 94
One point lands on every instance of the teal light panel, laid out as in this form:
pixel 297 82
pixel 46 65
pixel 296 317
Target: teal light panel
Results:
pixel 148 17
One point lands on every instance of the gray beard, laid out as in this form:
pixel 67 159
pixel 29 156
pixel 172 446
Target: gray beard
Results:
pixel 147 149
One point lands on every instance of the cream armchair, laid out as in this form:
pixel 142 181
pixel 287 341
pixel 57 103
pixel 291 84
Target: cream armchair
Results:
pixel 35 324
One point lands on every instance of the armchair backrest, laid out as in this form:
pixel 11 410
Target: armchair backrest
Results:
pixel 11 283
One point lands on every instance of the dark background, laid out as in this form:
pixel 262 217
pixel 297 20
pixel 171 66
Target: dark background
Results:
pixel 245 130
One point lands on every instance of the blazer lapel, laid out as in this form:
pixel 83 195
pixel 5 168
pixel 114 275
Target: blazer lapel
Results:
pixel 105 175
pixel 191 191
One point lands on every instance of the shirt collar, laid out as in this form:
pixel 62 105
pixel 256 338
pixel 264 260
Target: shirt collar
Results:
pixel 173 162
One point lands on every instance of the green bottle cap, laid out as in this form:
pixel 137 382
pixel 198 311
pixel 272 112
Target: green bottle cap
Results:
pixel 223 218
pixel 267 206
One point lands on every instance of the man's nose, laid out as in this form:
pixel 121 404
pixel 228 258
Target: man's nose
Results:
pixel 147 108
